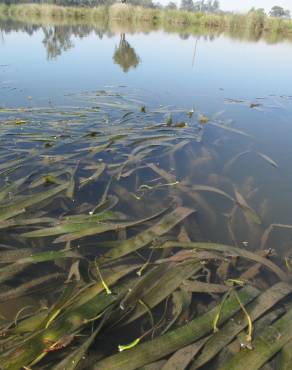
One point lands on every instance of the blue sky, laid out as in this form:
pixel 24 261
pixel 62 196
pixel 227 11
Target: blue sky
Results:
pixel 244 5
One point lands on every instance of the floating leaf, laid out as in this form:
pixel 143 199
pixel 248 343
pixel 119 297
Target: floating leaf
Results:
pixel 230 129
pixel 93 177
pixel 183 357
pixel 268 231
pixel 93 229
pixel 211 189
pixel 248 211
pixel 167 284
pixel 16 208
pixel 147 236
pixel 47 256
pixel 22 289
pixel 143 285
pixel 26 222
pixel 181 301
pixel 232 251
pixel 285 360
pixel 9 271
pixel 231 162
pixel 200 287
pixel 14 255
pixel 268 159
pixel 12 187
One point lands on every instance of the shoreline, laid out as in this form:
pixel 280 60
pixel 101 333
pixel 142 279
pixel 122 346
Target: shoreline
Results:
pixel 136 16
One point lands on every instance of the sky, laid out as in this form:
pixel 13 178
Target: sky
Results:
pixel 245 5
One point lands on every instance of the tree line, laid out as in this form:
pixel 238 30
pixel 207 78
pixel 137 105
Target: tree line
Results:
pixel 213 6
pixel 205 6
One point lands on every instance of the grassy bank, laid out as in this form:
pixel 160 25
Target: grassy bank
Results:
pixel 253 22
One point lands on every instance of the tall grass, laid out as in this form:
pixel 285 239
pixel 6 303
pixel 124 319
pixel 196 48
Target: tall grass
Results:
pixel 252 23
pixel 43 11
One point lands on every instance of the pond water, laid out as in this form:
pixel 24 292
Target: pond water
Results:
pixel 50 61
pixel 137 124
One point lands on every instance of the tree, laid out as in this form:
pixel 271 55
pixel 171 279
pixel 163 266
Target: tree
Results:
pixel 279 12
pixel 144 3
pixel 171 5
pixel 259 11
pixel 187 5
pixel 158 5
pixel 216 6
pixel 210 6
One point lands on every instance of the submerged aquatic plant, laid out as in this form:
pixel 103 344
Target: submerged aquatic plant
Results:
pixel 116 242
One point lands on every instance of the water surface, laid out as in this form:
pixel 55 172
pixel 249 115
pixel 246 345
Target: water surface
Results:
pixel 209 110
pixel 42 65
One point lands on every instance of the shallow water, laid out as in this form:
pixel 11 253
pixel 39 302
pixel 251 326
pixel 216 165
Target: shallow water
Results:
pixel 50 61
pixel 65 90
pixel 42 65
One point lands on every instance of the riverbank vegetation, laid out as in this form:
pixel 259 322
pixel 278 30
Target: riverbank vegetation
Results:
pixel 255 21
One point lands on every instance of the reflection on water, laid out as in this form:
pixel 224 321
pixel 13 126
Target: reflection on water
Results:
pixel 56 41
pixel 57 38
pixel 125 55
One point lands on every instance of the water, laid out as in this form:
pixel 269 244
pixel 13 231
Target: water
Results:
pixel 45 64
pixel 57 79
pixel 185 70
